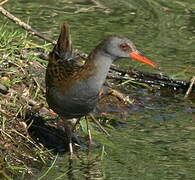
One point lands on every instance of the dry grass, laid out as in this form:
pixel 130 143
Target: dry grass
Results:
pixel 19 154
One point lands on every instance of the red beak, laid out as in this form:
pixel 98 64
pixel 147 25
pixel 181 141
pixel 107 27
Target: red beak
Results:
pixel 136 55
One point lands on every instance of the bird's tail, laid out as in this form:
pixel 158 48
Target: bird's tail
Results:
pixel 63 49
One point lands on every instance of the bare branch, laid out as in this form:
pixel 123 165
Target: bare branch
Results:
pixel 25 26
pixel 3 2
pixel 190 87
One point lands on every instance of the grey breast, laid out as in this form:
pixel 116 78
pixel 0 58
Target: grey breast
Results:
pixel 78 101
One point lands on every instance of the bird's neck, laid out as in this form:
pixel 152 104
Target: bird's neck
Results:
pixel 101 62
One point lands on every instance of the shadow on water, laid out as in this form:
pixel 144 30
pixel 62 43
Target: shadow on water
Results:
pixel 84 164
pixel 153 138
pixel 50 136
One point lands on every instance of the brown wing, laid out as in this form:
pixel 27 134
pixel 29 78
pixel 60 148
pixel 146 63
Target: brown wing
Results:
pixel 63 61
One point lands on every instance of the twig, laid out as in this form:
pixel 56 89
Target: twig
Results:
pixel 36 106
pixel 190 87
pixel 6 90
pixel 49 169
pixel 28 139
pixel 25 26
pixel 35 32
pixel 3 2
pixel 3 175
pixel 100 126
pixel 4 113
pixel 150 78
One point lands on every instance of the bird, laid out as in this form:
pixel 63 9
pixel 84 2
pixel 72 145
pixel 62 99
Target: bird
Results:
pixel 73 87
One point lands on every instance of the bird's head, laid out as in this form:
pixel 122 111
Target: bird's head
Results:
pixel 121 47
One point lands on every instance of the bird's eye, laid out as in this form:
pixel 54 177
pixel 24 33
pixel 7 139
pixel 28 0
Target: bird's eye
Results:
pixel 124 46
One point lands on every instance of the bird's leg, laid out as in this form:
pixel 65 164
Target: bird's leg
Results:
pixel 74 123
pixel 89 134
pixel 68 131
pixel 74 126
pixel 98 124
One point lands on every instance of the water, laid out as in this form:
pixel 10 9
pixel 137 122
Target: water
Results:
pixel 157 139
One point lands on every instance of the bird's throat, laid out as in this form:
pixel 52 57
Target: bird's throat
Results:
pixel 101 65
